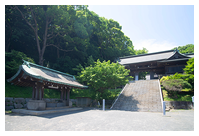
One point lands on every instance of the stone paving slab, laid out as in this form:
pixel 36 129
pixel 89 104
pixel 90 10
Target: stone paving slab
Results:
pixel 98 120
pixel 32 112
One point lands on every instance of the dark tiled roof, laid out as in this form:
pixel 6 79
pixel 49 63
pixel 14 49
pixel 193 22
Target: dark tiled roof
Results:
pixel 47 74
pixel 156 56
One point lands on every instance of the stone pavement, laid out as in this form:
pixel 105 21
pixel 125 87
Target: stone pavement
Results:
pixel 89 119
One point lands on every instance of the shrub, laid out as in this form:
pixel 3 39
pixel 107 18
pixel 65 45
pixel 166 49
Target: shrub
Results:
pixel 164 78
pixel 175 84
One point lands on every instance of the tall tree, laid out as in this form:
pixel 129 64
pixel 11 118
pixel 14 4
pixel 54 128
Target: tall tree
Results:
pixel 65 35
pixel 46 23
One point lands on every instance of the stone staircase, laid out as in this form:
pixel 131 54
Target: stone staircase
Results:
pixel 142 95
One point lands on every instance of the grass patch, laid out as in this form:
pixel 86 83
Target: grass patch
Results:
pixel 50 93
pixel 9 111
pixel 26 92
pixel 17 91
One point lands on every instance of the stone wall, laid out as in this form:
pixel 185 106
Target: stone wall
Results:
pixel 18 103
pixel 178 105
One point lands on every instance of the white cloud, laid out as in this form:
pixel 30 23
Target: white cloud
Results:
pixel 153 45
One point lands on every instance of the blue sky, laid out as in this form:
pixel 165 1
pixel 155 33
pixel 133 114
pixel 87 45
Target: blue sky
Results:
pixel 155 27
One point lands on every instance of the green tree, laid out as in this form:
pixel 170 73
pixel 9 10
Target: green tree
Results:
pixel 189 71
pixel 141 51
pixel 189 68
pixel 46 22
pixel 189 48
pixel 56 36
pixel 104 75
pixel 13 60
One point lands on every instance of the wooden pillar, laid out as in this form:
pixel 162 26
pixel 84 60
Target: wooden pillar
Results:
pixel 61 94
pixel 68 96
pixel 64 94
pixel 37 92
pixel 42 94
pixel 33 92
pixel 151 75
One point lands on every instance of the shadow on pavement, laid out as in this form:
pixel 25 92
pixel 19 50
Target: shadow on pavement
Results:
pixel 126 103
pixel 54 115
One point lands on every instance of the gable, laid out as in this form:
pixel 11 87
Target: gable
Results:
pixel 177 55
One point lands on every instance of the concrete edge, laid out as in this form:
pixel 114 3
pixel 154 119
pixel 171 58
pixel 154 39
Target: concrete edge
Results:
pixel 161 95
pixel 31 112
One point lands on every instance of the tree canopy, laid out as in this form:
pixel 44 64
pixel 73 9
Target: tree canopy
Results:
pixel 62 37
pixel 189 48
pixel 104 75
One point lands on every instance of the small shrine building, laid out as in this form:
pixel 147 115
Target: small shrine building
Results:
pixel 39 77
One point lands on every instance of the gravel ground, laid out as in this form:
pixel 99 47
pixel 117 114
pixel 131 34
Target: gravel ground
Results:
pixel 89 119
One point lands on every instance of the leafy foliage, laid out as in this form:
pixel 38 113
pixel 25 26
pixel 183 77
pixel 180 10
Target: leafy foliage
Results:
pixel 72 35
pixel 177 96
pixel 164 78
pixel 189 68
pixel 188 76
pixel 13 60
pixel 104 75
pixel 189 48
pixel 141 51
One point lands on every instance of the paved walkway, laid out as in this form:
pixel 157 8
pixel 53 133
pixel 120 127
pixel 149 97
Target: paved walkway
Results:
pixel 98 120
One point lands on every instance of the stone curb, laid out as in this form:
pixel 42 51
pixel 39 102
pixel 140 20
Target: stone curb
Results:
pixel 31 112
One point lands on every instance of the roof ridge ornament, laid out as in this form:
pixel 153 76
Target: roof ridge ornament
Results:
pixel 176 50
pixel 26 63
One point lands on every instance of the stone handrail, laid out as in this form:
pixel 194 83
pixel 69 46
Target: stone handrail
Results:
pixel 118 96
pixel 161 97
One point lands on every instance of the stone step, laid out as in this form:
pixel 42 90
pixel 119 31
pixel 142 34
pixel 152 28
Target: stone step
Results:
pixel 140 96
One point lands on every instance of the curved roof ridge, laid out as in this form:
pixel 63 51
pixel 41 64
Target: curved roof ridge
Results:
pixel 145 54
pixel 49 69
pixel 45 74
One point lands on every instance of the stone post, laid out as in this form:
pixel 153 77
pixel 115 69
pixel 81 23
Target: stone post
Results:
pixel 103 108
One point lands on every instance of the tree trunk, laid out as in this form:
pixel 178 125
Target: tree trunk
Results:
pixel 41 52
pixel 41 59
